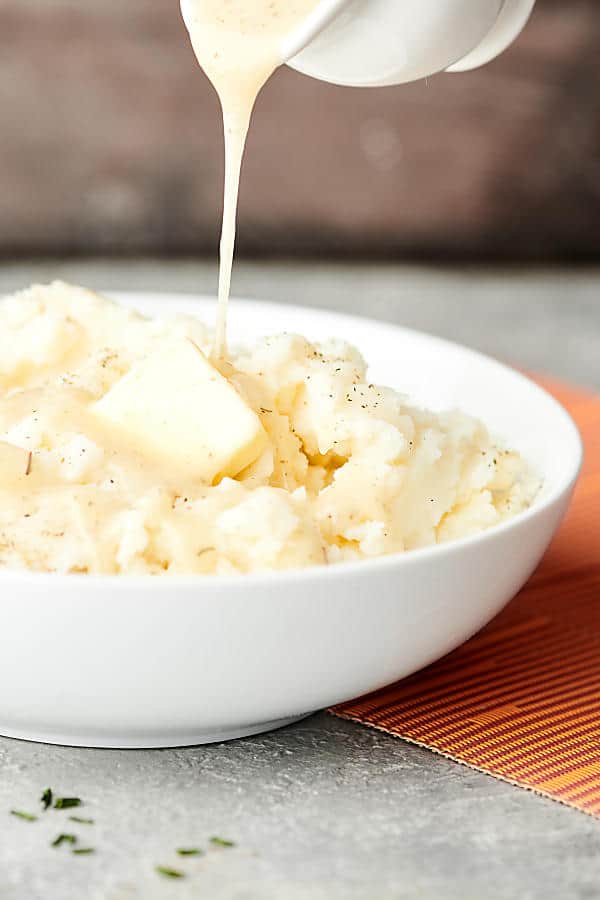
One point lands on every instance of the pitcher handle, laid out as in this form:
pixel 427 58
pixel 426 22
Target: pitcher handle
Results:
pixel 511 21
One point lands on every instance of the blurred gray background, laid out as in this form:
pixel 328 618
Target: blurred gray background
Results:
pixel 110 142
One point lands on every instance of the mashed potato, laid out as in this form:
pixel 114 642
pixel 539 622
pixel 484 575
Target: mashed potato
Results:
pixel 349 472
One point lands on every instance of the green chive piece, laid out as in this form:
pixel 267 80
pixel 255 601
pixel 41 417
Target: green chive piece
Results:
pixel 66 802
pixel 46 798
pixel 221 842
pixel 80 851
pixel 27 817
pixel 81 821
pixel 169 873
pixel 189 851
pixel 64 839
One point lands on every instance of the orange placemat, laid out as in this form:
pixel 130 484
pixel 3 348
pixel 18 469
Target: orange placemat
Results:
pixel 521 700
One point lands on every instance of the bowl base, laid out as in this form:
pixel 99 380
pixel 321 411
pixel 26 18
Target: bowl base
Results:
pixel 149 741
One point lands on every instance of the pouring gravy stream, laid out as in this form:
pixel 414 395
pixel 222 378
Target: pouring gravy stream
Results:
pixel 238 44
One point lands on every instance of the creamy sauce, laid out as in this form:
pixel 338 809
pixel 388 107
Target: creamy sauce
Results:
pixel 238 44
pixel 105 428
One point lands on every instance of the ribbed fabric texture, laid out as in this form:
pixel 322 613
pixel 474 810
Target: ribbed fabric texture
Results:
pixel 521 700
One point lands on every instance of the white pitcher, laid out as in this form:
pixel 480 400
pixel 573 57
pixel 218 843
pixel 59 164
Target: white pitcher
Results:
pixel 378 42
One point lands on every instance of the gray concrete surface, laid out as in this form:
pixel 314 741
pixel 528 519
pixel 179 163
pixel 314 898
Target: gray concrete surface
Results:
pixel 323 810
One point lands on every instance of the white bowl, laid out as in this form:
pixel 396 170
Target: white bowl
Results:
pixel 155 662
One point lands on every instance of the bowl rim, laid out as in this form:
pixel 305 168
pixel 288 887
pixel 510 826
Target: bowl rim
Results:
pixel 364 567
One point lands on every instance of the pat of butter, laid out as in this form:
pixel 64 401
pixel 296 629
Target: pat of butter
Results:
pixel 176 408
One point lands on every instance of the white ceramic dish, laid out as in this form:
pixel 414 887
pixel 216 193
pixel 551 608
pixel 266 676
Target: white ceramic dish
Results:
pixel 371 43
pixel 153 662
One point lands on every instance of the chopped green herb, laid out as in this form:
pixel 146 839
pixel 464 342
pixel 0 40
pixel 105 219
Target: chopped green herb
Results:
pixel 169 873
pixel 46 798
pixel 221 842
pixel 80 851
pixel 81 821
pixel 64 839
pixel 66 802
pixel 189 851
pixel 27 817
